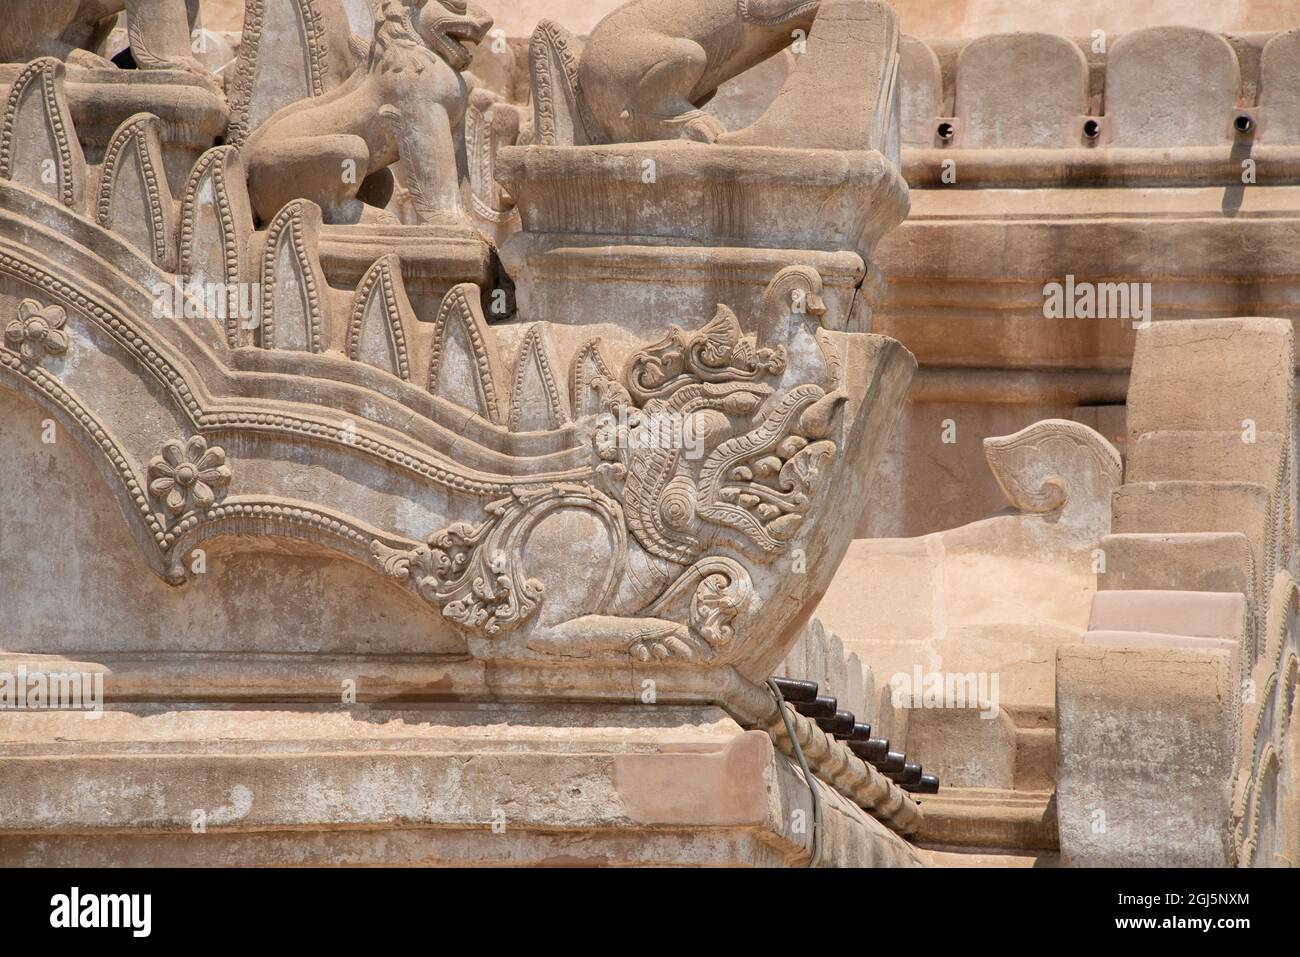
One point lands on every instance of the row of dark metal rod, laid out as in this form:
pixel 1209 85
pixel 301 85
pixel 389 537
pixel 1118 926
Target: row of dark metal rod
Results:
pixel 844 726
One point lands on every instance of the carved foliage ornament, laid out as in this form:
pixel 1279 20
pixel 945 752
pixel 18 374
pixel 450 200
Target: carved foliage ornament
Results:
pixel 757 481
pixel 475 572
pixel 717 353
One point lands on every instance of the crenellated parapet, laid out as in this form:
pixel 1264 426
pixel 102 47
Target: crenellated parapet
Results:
pixel 1102 99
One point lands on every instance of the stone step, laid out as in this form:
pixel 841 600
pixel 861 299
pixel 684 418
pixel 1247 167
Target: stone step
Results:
pixel 1152 639
pixel 672 785
pixel 1208 457
pixel 1190 614
pixel 989 818
pixel 940 856
pixel 1181 561
pixel 1210 374
pixel 1163 507
pixel 1178 506
pixel 968 747
pixel 1035 758
pixel 1148 746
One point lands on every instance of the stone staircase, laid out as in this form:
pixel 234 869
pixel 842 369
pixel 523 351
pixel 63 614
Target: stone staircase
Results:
pixel 1151 705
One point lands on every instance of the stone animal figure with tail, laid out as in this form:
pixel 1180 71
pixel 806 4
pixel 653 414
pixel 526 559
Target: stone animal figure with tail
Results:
pixel 649 68
pixel 406 99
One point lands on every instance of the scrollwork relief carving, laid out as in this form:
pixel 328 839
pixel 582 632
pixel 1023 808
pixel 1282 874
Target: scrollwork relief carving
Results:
pixel 477 573
pixel 1055 464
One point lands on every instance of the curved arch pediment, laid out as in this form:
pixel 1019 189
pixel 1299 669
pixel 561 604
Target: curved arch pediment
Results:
pixel 250 591
pixel 354 452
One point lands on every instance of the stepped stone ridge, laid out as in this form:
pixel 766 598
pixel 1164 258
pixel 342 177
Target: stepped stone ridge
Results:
pixel 667 432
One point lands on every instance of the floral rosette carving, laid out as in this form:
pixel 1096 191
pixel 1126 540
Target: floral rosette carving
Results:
pixel 38 330
pixel 188 475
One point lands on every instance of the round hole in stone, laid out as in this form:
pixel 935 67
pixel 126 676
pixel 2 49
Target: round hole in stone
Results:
pixel 946 131
pixel 1243 123
pixel 1091 129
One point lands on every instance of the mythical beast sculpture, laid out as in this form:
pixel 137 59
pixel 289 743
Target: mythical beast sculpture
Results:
pixel 67 29
pixel 651 65
pixel 407 98
pixel 708 460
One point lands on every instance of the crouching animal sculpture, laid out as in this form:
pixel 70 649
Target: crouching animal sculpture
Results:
pixel 159 32
pixel 650 66
pixel 702 465
pixel 407 99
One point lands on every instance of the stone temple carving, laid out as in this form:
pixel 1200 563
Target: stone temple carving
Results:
pixel 457 415
pixel 649 67
pixel 698 461
pixel 406 98
pixel 69 29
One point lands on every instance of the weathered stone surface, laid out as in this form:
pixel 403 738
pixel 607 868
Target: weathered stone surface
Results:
pixel 1225 371
pixel 1147 744
pixel 1216 512
pixel 1171 86
pixel 1165 507
pixel 1192 614
pixel 1182 561
pixel 333 455
pixel 515 785
pixel 1279 89
pixel 920 92
pixel 999 110
pixel 962 628
pixel 1240 456
pixel 829 100
pixel 1148 639
pixel 533 371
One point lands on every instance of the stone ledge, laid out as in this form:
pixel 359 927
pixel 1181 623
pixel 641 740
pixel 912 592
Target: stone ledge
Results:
pixel 754 196
pixel 1186 166
pixel 990 818
pixel 561 784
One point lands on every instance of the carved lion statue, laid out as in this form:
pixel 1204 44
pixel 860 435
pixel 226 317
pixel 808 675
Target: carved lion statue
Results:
pixel 68 29
pixel 650 66
pixel 406 98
